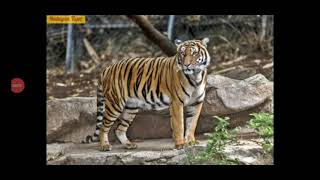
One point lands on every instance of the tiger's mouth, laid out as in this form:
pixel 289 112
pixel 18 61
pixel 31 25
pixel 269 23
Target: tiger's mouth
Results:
pixel 188 71
pixel 191 71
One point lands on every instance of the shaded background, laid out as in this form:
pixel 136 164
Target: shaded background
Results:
pixel 240 46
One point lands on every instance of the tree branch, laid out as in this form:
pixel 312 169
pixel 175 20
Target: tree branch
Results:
pixel 154 35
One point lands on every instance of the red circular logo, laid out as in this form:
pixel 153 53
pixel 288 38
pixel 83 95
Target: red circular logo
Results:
pixel 17 85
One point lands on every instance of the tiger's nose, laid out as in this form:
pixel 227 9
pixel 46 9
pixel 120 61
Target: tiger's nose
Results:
pixel 188 65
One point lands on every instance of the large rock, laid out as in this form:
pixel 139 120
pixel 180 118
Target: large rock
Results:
pixel 72 119
pixel 149 152
pixel 228 96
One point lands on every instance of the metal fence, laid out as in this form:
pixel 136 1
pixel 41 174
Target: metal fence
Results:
pixel 115 36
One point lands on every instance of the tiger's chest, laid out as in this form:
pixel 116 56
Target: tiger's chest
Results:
pixel 197 95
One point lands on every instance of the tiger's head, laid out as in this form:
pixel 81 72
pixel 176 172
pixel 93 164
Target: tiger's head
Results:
pixel 193 56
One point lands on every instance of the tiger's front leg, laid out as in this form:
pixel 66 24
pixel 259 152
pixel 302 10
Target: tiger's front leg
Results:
pixel 177 124
pixel 192 117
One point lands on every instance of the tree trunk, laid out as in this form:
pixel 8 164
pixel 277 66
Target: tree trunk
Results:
pixel 154 35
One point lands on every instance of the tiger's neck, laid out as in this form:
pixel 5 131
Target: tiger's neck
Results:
pixel 197 77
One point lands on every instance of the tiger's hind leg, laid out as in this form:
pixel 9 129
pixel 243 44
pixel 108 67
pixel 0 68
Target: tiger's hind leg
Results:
pixel 111 114
pixel 126 119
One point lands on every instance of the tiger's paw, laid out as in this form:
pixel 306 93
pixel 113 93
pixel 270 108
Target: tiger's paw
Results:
pixel 131 145
pixel 179 146
pixel 105 147
pixel 193 142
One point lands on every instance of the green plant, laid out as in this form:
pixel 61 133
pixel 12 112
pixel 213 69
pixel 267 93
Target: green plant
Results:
pixel 216 144
pixel 263 124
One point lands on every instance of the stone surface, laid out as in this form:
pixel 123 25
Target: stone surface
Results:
pixel 149 152
pixel 248 153
pixel 72 119
pixel 55 150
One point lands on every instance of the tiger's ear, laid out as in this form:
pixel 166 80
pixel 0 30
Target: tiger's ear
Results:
pixel 205 41
pixel 177 42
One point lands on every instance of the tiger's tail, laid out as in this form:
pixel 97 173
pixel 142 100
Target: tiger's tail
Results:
pixel 100 112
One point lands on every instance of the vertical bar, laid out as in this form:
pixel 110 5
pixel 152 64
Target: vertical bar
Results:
pixel 69 54
pixel 263 27
pixel 170 26
pixel 77 46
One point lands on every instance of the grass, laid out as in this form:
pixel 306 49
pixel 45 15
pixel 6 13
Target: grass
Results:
pixel 221 136
pixel 263 124
pixel 216 144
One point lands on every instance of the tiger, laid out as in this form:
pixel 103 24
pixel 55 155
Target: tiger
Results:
pixel 155 83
